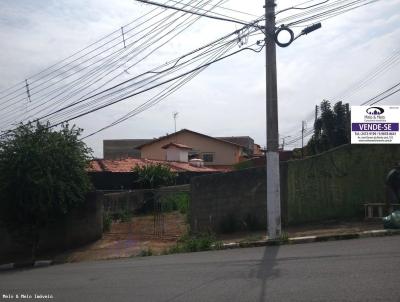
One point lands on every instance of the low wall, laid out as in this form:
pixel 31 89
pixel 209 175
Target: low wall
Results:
pixel 332 185
pixel 336 184
pixel 228 202
pixel 81 226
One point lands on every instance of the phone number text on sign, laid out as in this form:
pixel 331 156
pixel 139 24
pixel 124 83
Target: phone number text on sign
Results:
pixel 375 125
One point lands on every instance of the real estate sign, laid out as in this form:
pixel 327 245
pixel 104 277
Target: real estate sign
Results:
pixel 375 124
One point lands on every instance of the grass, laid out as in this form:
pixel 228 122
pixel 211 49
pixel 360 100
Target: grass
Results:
pixel 195 243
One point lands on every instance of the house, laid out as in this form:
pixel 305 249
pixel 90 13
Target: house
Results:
pixel 245 141
pixel 215 152
pixel 108 174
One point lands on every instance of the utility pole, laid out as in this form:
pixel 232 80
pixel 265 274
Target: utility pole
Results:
pixel 175 115
pixel 283 141
pixel 272 154
pixel 303 128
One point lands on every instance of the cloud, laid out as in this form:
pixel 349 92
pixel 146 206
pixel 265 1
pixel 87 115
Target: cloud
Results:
pixel 227 98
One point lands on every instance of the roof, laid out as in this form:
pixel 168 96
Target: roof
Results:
pixel 122 148
pixel 179 146
pixel 190 131
pixel 244 141
pixel 127 164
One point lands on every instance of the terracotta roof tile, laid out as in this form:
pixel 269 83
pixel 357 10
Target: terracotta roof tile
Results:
pixel 127 164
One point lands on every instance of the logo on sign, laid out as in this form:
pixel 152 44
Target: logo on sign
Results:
pixel 375 110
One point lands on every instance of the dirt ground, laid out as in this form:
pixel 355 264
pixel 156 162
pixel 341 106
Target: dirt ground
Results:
pixel 129 239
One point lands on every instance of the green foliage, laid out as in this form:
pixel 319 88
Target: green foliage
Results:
pixel 195 243
pixel 42 176
pixel 243 165
pixel 331 129
pixel 284 237
pixel 154 176
pixel 107 222
pixel 176 202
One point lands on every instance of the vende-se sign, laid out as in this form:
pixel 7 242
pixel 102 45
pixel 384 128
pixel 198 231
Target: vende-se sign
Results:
pixel 375 124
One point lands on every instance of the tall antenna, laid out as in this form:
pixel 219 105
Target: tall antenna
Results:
pixel 175 115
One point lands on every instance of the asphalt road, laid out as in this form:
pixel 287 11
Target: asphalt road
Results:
pixel 353 270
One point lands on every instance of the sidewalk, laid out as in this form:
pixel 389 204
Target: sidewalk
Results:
pixel 128 239
pixel 329 228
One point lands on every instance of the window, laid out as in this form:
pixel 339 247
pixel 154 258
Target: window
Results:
pixel 208 157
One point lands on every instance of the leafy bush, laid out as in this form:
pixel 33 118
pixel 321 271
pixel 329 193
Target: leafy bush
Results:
pixel 42 177
pixel 176 202
pixel 154 176
pixel 243 165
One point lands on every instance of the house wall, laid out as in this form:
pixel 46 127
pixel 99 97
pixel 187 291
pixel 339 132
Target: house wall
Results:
pixel 331 186
pixel 224 153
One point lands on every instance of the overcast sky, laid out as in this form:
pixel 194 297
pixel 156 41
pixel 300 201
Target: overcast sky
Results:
pixel 226 99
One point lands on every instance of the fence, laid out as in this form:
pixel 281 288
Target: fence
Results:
pixel 155 213
pixel 333 185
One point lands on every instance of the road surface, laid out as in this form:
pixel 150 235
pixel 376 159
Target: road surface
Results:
pixel 352 270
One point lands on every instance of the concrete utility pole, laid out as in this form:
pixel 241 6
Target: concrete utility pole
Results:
pixel 303 128
pixel 272 154
pixel 175 115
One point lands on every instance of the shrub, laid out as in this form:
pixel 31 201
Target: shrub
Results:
pixel 154 176
pixel 42 177
pixel 176 202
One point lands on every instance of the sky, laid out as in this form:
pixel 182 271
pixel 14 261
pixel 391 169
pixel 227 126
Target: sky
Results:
pixel 226 99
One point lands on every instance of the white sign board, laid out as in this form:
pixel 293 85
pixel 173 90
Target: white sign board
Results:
pixel 375 124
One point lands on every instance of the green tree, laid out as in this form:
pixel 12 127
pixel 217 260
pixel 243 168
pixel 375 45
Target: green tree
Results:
pixel 154 176
pixel 331 129
pixel 42 177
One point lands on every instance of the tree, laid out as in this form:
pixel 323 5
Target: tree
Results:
pixel 331 129
pixel 42 177
pixel 154 176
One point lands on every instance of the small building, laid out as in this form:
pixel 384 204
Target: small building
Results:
pixel 215 152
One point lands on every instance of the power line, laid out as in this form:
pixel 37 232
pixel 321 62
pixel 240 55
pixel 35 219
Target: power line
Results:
pixel 121 64
pixel 187 11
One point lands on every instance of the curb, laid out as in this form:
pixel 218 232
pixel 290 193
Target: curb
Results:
pixel 310 239
pixel 25 264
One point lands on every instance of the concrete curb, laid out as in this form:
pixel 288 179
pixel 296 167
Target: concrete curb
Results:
pixel 309 239
pixel 25 264
pixel 235 245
